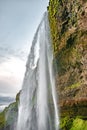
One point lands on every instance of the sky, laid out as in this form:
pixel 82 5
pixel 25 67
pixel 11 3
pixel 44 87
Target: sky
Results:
pixel 18 22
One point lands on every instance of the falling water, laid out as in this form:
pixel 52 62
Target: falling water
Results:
pixel 38 105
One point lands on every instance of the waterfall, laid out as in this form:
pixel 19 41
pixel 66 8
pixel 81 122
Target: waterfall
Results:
pixel 38 103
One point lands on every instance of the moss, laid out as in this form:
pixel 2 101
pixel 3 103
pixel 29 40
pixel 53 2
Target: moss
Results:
pixel 79 124
pixel 53 11
pixel 2 119
pixel 63 15
pixel 68 123
pixel 18 96
pixel 75 85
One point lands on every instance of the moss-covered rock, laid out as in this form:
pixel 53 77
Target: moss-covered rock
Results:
pixel 68 23
pixel 2 120
pixel 8 117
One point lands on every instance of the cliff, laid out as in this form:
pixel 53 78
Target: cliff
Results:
pixel 68 23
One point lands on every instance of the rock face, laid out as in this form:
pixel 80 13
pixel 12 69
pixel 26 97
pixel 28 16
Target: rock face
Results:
pixel 68 23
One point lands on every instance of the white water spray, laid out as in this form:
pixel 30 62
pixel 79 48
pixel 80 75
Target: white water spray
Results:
pixel 38 104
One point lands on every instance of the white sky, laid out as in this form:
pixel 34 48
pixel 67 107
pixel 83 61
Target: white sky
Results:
pixel 18 22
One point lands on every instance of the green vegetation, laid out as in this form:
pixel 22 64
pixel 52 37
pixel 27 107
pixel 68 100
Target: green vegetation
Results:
pixel 68 123
pixel 2 119
pixel 76 85
pixel 9 114
pixel 79 124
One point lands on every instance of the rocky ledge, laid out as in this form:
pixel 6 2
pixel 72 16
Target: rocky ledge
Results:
pixel 74 107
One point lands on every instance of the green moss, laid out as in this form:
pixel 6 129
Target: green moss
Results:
pixel 79 124
pixel 53 11
pixel 75 85
pixel 2 119
pixel 68 123
pixel 63 17
pixel 18 96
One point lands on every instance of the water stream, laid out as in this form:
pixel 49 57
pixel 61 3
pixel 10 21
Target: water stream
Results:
pixel 38 103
